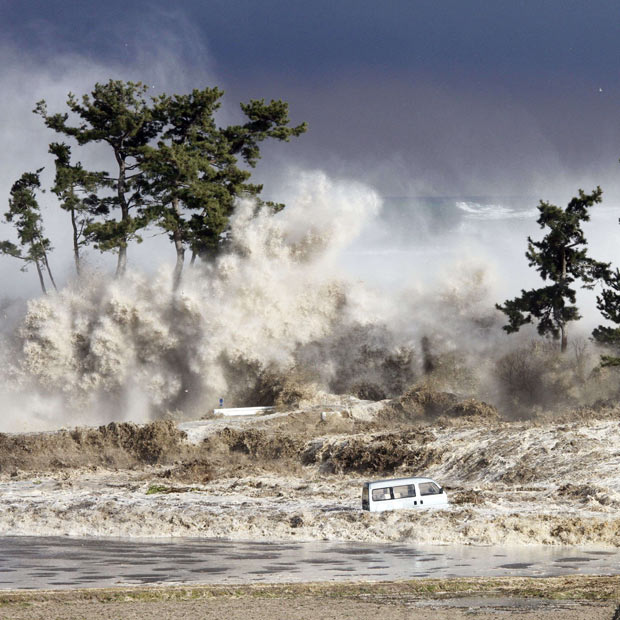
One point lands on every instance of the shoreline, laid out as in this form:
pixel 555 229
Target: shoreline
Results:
pixel 577 596
pixel 573 587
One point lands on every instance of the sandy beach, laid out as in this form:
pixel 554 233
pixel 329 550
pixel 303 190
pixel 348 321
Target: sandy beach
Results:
pixel 592 598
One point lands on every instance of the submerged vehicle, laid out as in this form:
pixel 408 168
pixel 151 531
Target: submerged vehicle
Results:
pixel 397 493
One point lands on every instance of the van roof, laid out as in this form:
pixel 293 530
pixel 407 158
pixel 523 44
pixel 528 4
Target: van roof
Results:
pixel 393 481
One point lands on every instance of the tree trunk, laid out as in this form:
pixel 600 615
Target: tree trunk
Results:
pixel 76 244
pixel 428 363
pixel 45 261
pixel 177 238
pixel 49 272
pixel 178 268
pixel 564 341
pixel 564 344
pixel 121 263
pixel 36 262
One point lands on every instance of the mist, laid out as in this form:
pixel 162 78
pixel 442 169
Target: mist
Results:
pixel 406 222
pixel 282 306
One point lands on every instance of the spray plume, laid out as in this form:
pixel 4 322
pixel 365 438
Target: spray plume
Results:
pixel 275 309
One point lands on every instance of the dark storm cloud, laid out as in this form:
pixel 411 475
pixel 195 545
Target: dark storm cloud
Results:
pixel 414 96
pixel 495 41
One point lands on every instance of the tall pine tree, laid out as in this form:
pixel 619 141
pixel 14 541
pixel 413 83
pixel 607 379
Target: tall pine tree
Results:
pixel 192 174
pixel 116 114
pixel 560 258
pixel 25 215
pixel 173 166
pixel 608 302
pixel 76 190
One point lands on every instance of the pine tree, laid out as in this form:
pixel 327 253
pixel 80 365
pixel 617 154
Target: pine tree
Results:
pixel 192 176
pixel 560 257
pixel 25 215
pixel 76 190
pixel 117 114
pixel 608 303
pixel 174 166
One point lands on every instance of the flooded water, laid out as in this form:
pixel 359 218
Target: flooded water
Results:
pixel 58 563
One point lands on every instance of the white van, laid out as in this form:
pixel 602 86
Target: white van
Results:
pixel 399 493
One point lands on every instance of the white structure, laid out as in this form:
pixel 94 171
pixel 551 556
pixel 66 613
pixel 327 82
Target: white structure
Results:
pixel 397 493
pixel 232 411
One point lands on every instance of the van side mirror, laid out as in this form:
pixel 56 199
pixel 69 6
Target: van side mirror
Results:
pixel 440 490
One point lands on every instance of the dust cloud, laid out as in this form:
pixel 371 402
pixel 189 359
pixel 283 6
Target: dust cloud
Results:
pixel 276 310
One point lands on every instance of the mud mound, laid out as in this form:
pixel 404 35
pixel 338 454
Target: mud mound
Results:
pixel 430 402
pixel 256 443
pixel 421 404
pixel 114 445
pixel 521 474
pixel 293 392
pixel 196 471
pixel 471 496
pixel 382 454
pixel 470 412
pixel 585 493
pixel 471 408
pixel 151 443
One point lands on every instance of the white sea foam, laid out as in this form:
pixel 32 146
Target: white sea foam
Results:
pixel 105 349
pixel 478 211
pixel 274 305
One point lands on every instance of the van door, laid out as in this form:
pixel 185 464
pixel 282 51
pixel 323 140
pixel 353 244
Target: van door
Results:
pixel 381 499
pixel 430 494
pixel 405 496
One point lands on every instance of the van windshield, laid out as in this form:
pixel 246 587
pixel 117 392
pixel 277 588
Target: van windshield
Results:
pixel 429 488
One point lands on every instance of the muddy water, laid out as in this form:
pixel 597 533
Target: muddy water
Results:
pixel 59 563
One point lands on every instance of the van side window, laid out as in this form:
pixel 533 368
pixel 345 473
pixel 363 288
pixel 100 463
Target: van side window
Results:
pixel 428 488
pixel 379 495
pixel 405 490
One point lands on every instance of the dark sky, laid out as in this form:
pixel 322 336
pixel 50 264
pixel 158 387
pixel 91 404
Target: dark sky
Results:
pixel 415 96
pixel 499 42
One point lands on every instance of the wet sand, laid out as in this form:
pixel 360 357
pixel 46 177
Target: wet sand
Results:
pixel 553 598
pixel 310 608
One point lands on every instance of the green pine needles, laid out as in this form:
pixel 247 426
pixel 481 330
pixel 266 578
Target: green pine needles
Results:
pixel 25 215
pixel 172 168
pixel 561 259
